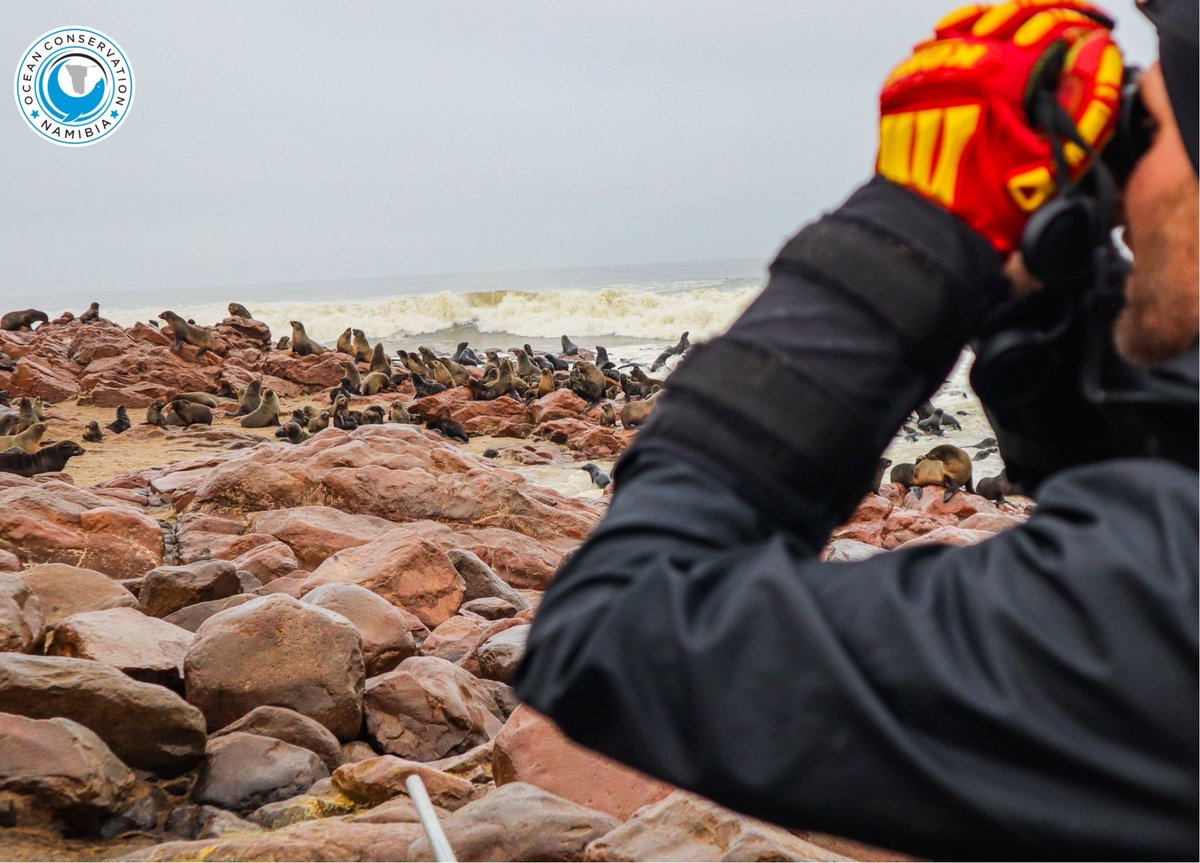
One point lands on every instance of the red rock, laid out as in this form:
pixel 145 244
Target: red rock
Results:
pixel 993 523
pixel 145 648
pixel 949 536
pixel 850 550
pixel 235 545
pixel 199 532
pixel 904 524
pixel 278 651
pixel 64 590
pixel 560 404
pixel 584 437
pixel 167 589
pixel 470 659
pixel 291 727
pixel 244 333
pixel 529 748
pixel 316 371
pixel 386 640
pixel 98 341
pixel 503 408
pixel 9 562
pixel 281 770
pixel 268 562
pixel 52 382
pixel 314 533
pixel 440 404
pixel 142 332
pixel 454 638
pixel 376 780
pixel 500 653
pixel 407 571
pixel 147 372
pixel 20 615
pixel 961 505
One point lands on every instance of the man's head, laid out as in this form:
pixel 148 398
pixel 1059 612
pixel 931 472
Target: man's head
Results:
pixel 1160 318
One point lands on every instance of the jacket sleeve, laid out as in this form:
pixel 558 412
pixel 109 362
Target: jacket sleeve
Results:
pixel 1034 695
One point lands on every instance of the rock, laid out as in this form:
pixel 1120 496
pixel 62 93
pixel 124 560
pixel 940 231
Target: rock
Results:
pixel 323 839
pixel 481 580
pixel 56 770
pixel 191 821
pixel 520 822
pixel 20 615
pixel 529 748
pixel 192 616
pixel 139 376
pixel 314 533
pixel 427 708
pixel 145 648
pixel 594 442
pixel 55 522
pixel 560 404
pixel 501 653
pixel 64 590
pixel 290 727
pixel 407 571
pixel 488 608
pixel 376 780
pixel 454 638
pixel 305 807
pixel 35 377
pixel 146 726
pixel 280 770
pixel 961 506
pixel 850 550
pixel 992 523
pixel 357 750
pixel 948 536
pixel 687 827
pixel 278 651
pixel 316 371
pixel 244 333
pixel 167 589
pixel 268 562
pixel 504 696
pixel 470 659
pixel 474 765
pixel 9 562
pixel 386 641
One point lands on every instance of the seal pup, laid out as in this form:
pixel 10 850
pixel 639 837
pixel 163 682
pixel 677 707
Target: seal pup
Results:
pixel 250 400
pixel 447 427
pixel 545 384
pixel 154 414
pixel 569 348
pixel 414 365
pixel 424 387
pixel 92 433
pixel 27 440
pixel 373 415
pixel 525 368
pixel 903 474
pixel 237 310
pixel 266 414
pixel 642 378
pixel 379 359
pixel 199 398
pixel 441 374
pixel 341 415
pixel 945 465
pixel 50 459
pixel 284 343
pixel 984 453
pixel 608 414
pixel 599 478
pixel 27 414
pixel 602 359
pixel 362 348
pixel 8 424
pixel 995 487
pixel 398 413
pixel 880 467
pixel 91 315
pixel 376 382
pixel 23 320
pixel 192 413
pixel 345 344
pixel 291 431
pixel 318 422
pixel 302 345
pixel 121 423
pixel 463 355
pixel 352 380
pixel 587 382
pixel 987 442
pixel 197 337
pixel 932 424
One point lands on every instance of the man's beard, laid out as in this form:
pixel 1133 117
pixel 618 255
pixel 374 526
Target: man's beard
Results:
pixel 1159 320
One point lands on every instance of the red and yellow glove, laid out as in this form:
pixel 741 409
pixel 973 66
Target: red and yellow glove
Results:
pixel 953 124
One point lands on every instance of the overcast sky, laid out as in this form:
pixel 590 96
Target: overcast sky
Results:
pixel 291 141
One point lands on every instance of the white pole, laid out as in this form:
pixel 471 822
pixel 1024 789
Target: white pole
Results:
pixel 442 852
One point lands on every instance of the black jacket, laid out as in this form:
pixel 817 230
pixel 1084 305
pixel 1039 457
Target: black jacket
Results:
pixel 1032 696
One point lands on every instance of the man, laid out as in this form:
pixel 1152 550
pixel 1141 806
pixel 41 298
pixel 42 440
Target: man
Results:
pixel 1031 696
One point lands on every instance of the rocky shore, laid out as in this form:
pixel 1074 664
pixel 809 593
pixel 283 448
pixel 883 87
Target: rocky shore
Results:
pixel 219 645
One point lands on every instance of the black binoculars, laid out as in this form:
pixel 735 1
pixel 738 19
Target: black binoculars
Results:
pixel 1134 131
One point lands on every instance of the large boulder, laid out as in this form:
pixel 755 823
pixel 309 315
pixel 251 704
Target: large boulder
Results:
pixel 54 382
pixel 278 770
pixel 687 827
pixel 409 572
pixel 291 727
pixel 386 640
pixel 146 726
pixel 64 590
pixel 145 648
pixel 500 654
pixel 428 708
pixel 375 780
pixel 316 532
pixel 520 822
pixel 167 589
pixel 278 651
pixel 531 749
pixel 481 580
pixel 20 615
pixel 56 772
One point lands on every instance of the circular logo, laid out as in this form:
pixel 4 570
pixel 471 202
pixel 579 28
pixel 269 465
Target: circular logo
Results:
pixel 74 86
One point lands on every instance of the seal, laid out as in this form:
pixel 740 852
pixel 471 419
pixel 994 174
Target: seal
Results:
pixel 352 381
pixel 48 460
pixel 344 342
pixel 995 487
pixel 932 424
pixel 379 359
pixel 424 387
pixel 441 374
pixel 92 433
pixel 602 359
pixel 362 348
pixel 197 337
pixel 608 414
pixel 546 384
pixel 903 474
pixel 250 400
pixel 318 422
pixel 341 415
pixel 292 432
pixel 458 373
pixel 284 343
pixel 205 399
pixel 569 348
pixel 525 368
pixel 8 424
pixel 27 414
pixel 302 345
pixel 121 423
pixel 266 414
pixel 447 427
pixel 27 440
pixel 91 315
pixel 880 467
pixel 587 382
pixel 414 365
pixel 373 415
pixel 192 413
pixel 463 355
pixel 154 414
pixel 599 478
pixel 398 413
pixel 237 310
pixel 635 414
pixel 945 465
pixel 376 382
pixel 23 320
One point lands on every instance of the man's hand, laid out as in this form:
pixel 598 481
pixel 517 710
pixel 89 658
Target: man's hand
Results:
pixel 954 126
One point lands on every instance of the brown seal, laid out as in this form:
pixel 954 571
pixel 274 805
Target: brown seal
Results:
pixel 92 314
pixel 902 473
pixel 587 382
pixel 23 320
pixel 398 413
pixel 945 465
pixel 361 347
pixel 302 345
pixel 995 487
pixel 880 467
pixel 441 374
pixel 8 424
pixel 121 423
pixel 184 332
pixel 237 310
pixel 92 433
pixel 292 432
pixel 51 459
pixel 636 413
pixel 250 399
pixel 154 414
pixel 376 382
pixel 205 399
pixel 353 377
pixel 284 343
pixel 373 414
pixel 27 440
pixel 379 359
pixel 447 427
pixel 266 414
pixel 608 414
pixel 318 422
pixel 192 413
pixel 345 342
pixel 545 384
